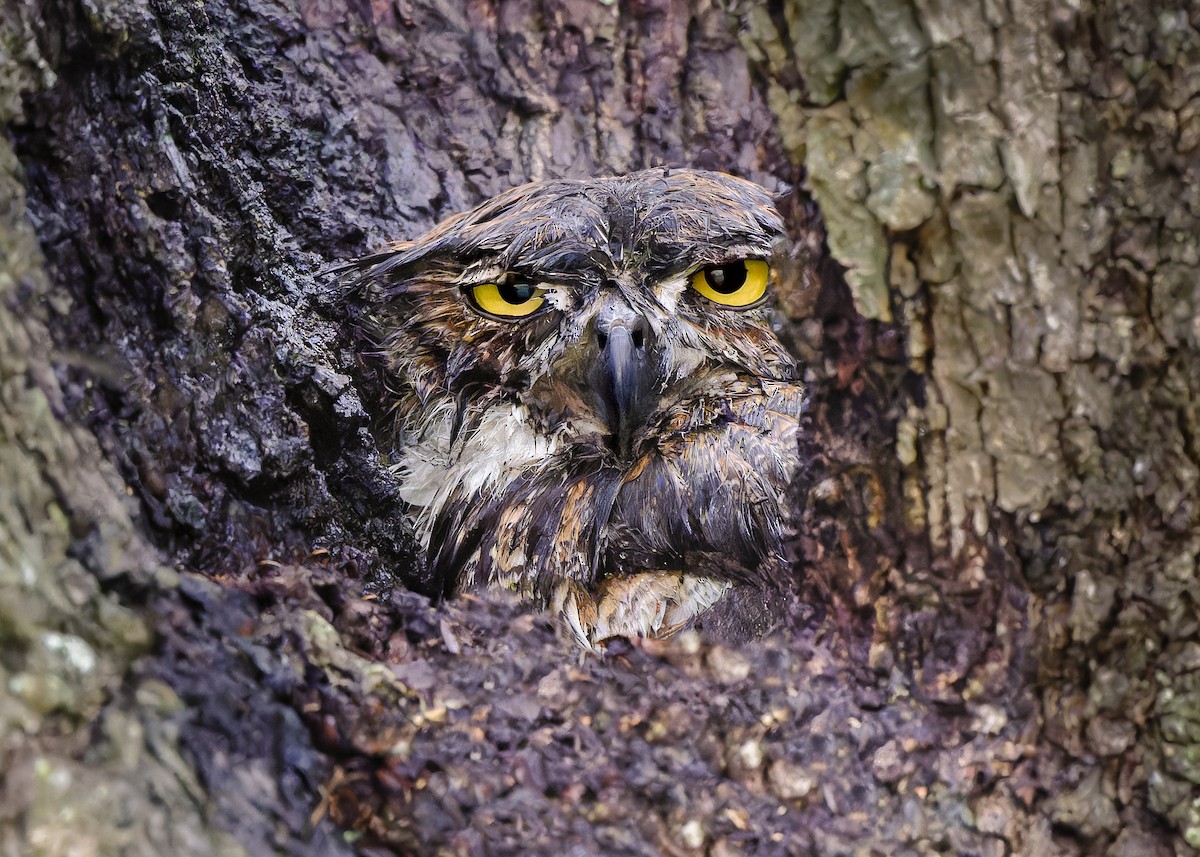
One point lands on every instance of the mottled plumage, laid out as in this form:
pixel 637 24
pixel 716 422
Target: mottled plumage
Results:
pixel 576 420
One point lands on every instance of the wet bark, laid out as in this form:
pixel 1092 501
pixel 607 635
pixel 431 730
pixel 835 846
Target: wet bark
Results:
pixel 212 634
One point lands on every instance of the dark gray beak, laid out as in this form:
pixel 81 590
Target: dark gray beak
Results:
pixel 625 377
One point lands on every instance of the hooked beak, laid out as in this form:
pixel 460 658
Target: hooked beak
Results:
pixel 624 378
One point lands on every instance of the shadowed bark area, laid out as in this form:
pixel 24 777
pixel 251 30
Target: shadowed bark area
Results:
pixel 209 601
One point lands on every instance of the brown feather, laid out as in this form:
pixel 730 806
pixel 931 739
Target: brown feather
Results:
pixel 505 444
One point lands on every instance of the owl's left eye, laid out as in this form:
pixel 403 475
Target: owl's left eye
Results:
pixel 507 300
pixel 733 284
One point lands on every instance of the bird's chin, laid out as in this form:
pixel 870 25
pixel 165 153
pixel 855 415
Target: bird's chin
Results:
pixel 645 604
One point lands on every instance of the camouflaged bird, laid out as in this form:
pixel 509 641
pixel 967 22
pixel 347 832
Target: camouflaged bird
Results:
pixel 593 409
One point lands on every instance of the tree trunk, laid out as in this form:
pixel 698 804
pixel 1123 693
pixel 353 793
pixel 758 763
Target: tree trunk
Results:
pixel 213 637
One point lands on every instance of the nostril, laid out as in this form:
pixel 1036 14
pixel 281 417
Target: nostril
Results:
pixel 636 332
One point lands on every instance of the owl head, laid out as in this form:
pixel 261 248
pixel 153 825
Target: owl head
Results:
pixel 579 365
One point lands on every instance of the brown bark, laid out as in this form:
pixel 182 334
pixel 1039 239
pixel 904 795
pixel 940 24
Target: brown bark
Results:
pixel 204 576
pixel 1032 172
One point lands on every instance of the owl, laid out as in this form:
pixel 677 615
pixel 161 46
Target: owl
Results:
pixel 591 405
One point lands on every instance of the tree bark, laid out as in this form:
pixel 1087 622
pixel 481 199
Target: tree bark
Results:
pixel 213 634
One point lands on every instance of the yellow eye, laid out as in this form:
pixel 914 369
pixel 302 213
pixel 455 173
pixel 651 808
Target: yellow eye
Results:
pixel 507 300
pixel 734 284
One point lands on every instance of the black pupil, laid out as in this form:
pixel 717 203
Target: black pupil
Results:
pixel 726 279
pixel 517 293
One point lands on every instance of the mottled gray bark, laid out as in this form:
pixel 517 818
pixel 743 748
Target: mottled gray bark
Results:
pixel 89 762
pixel 209 642
pixel 1017 186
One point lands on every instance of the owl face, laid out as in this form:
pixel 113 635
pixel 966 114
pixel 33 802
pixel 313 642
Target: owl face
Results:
pixel 580 366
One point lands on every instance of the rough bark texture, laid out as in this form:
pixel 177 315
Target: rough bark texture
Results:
pixel 210 641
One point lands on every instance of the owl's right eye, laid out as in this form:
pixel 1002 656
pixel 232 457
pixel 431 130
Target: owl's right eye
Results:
pixel 507 300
